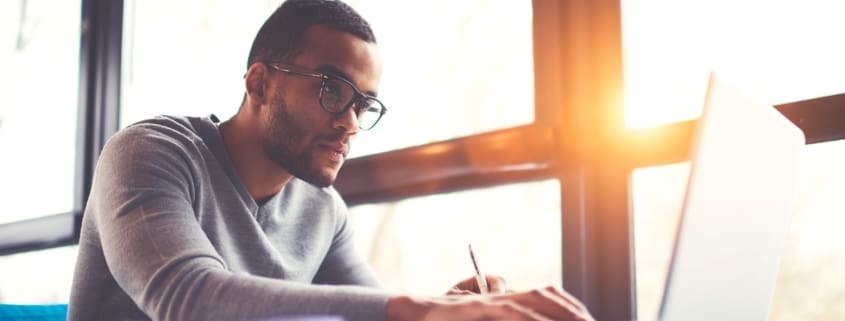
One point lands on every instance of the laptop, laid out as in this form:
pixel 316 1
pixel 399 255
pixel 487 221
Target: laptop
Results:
pixel 736 212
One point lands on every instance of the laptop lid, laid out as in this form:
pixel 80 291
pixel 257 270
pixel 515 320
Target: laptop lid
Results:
pixel 736 212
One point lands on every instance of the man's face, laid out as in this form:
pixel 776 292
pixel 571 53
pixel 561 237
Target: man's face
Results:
pixel 297 133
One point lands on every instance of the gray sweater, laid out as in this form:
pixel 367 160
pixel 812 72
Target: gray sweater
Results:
pixel 171 233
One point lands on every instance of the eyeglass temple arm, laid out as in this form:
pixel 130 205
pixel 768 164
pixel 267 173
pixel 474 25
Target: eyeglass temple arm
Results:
pixel 284 68
pixel 280 67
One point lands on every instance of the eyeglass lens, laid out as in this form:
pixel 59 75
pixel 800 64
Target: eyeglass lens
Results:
pixel 336 95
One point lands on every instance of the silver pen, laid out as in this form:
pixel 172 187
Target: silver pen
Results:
pixel 479 276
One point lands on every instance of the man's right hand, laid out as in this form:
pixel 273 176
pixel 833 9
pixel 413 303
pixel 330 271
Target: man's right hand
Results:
pixel 546 304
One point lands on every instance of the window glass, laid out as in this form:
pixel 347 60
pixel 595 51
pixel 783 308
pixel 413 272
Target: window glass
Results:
pixel 200 71
pixel 810 284
pixel 39 59
pixel 658 194
pixel 776 51
pixel 470 70
pixel 40 277
pixel 467 71
pixel 514 231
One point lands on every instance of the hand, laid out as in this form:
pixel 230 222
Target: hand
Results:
pixel 551 302
pixel 481 311
pixel 546 304
pixel 496 285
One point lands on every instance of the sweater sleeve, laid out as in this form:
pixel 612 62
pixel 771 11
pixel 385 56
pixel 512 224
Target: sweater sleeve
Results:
pixel 159 255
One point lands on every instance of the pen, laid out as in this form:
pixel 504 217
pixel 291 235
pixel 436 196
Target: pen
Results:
pixel 479 276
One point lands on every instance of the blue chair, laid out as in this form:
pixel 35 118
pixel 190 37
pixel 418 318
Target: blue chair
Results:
pixel 33 312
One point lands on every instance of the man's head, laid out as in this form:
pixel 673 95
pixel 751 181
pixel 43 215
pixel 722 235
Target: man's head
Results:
pixel 297 59
pixel 282 35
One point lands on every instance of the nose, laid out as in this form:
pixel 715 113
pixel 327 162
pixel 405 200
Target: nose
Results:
pixel 347 121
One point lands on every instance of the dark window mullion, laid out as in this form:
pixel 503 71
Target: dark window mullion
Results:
pixel 36 234
pixel 99 91
pixel 578 81
pixel 822 119
pixel 503 156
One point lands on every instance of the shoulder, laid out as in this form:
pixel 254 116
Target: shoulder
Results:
pixel 161 127
pixel 162 134
pixel 151 157
pixel 159 144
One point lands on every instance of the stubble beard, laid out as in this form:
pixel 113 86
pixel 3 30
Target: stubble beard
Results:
pixel 285 143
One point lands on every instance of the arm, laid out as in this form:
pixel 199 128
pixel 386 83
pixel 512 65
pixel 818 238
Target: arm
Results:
pixel 158 254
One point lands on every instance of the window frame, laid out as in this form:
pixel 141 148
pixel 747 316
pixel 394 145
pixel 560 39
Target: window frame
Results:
pixel 97 119
pixel 578 137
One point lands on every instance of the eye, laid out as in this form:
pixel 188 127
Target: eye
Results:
pixel 332 94
pixel 332 87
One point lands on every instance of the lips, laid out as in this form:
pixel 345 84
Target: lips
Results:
pixel 335 147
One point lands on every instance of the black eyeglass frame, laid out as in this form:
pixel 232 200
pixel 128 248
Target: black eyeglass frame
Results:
pixel 325 78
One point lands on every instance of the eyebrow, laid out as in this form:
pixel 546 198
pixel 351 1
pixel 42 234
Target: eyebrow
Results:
pixel 334 71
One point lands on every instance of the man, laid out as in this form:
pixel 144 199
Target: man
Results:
pixel 189 219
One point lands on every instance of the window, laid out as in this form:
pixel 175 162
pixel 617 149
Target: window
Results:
pixel 809 285
pixel 41 277
pixel 777 52
pixel 442 79
pixel 658 195
pixel 39 57
pixel 514 230
pixel 201 71
pixel 468 71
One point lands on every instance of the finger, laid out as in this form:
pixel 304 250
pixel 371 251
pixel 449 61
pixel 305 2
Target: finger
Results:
pixel 511 311
pixel 496 284
pixel 559 294
pixel 457 291
pixel 467 284
pixel 546 302
pixel 478 311
pixel 567 297
pixel 572 304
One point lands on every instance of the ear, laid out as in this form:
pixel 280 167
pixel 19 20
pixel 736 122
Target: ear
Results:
pixel 255 81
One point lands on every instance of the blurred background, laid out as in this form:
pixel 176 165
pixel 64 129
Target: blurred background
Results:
pixel 453 69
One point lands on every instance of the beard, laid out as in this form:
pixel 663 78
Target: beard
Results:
pixel 286 142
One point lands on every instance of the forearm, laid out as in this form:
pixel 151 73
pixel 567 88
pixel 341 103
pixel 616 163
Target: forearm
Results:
pixel 199 293
pixel 406 308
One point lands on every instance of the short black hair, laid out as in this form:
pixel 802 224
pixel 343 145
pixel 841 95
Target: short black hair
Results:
pixel 282 35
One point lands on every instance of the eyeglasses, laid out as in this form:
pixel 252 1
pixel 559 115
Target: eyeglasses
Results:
pixel 337 95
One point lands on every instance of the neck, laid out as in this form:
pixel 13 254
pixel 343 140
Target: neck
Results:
pixel 262 177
